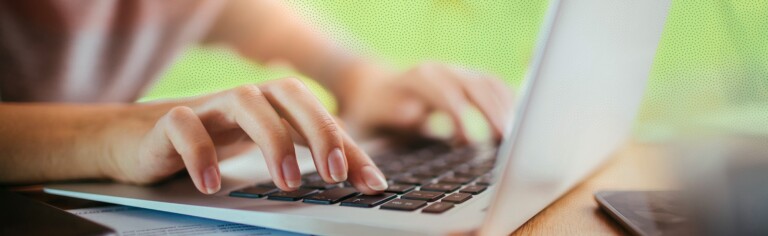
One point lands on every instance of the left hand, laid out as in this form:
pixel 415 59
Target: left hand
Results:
pixel 376 99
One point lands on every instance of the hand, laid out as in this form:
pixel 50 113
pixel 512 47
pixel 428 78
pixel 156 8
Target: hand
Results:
pixel 167 137
pixel 376 99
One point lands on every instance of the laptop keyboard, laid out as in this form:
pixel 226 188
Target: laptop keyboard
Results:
pixel 433 179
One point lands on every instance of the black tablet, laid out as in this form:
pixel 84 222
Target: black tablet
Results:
pixel 20 215
pixel 646 212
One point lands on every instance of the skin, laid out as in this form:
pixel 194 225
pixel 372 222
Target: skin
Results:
pixel 143 143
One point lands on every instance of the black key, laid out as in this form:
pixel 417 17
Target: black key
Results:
pixel 400 188
pixel 469 173
pixel 393 167
pixel 484 181
pixel 269 184
pixel 457 198
pixel 292 195
pixel 411 180
pixel 456 180
pixel 312 177
pixel 441 187
pixel 368 200
pixel 389 173
pixel 425 174
pixel 473 189
pixel 438 207
pixel 319 185
pixel 423 195
pixel 485 165
pixel 331 196
pixel 440 165
pixel 404 205
pixel 482 168
pixel 253 192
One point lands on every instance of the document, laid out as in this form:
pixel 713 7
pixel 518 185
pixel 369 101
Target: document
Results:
pixel 132 221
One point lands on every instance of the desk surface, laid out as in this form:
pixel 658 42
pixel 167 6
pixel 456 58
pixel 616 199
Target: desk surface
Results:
pixel 635 167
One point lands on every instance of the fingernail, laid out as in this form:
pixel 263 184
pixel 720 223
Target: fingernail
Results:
pixel 337 166
pixel 374 179
pixel 211 180
pixel 291 173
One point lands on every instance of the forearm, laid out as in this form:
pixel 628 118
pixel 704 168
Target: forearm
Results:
pixel 48 142
pixel 269 32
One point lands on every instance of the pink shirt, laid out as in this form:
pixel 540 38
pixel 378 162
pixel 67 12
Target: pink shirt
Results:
pixel 93 50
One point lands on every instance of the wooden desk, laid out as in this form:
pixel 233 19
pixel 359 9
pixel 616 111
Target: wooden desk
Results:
pixel 635 167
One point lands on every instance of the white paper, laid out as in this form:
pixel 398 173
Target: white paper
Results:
pixel 132 221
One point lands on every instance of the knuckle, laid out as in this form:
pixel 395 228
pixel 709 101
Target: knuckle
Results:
pixel 291 85
pixel 248 93
pixel 180 113
pixel 327 125
pixel 426 72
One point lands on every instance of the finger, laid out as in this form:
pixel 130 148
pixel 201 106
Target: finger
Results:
pixel 363 173
pixel 429 83
pixel 295 136
pixel 256 116
pixel 481 96
pixel 297 105
pixel 186 133
pixel 505 94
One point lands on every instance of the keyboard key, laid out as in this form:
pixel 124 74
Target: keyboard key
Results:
pixel 368 200
pixel 400 188
pixel 411 180
pixel 423 195
pixel 331 196
pixel 292 195
pixel 469 173
pixel 438 207
pixel 457 198
pixel 404 205
pixel 441 165
pixel 472 171
pixel 312 177
pixel 473 189
pixel 456 180
pixel 253 192
pixel 425 175
pixel 319 185
pixel 484 181
pixel 269 184
pixel 441 187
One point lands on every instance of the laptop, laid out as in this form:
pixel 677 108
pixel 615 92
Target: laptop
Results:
pixel 580 97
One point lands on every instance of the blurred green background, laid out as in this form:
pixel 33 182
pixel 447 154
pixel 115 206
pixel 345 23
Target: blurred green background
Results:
pixel 711 67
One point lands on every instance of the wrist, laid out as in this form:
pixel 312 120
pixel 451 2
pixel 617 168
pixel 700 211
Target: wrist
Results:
pixel 355 79
pixel 119 141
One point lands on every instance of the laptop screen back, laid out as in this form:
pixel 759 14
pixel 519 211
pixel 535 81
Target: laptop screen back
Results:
pixel 582 93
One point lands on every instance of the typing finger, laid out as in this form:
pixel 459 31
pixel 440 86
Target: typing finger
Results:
pixel 480 95
pixel 363 173
pixel 442 93
pixel 182 129
pixel 252 111
pixel 294 102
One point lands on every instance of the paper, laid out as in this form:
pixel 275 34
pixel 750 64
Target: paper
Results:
pixel 131 221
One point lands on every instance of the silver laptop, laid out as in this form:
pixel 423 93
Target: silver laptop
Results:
pixel 581 95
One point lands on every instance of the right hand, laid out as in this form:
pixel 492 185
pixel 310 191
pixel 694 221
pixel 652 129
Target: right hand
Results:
pixel 168 137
